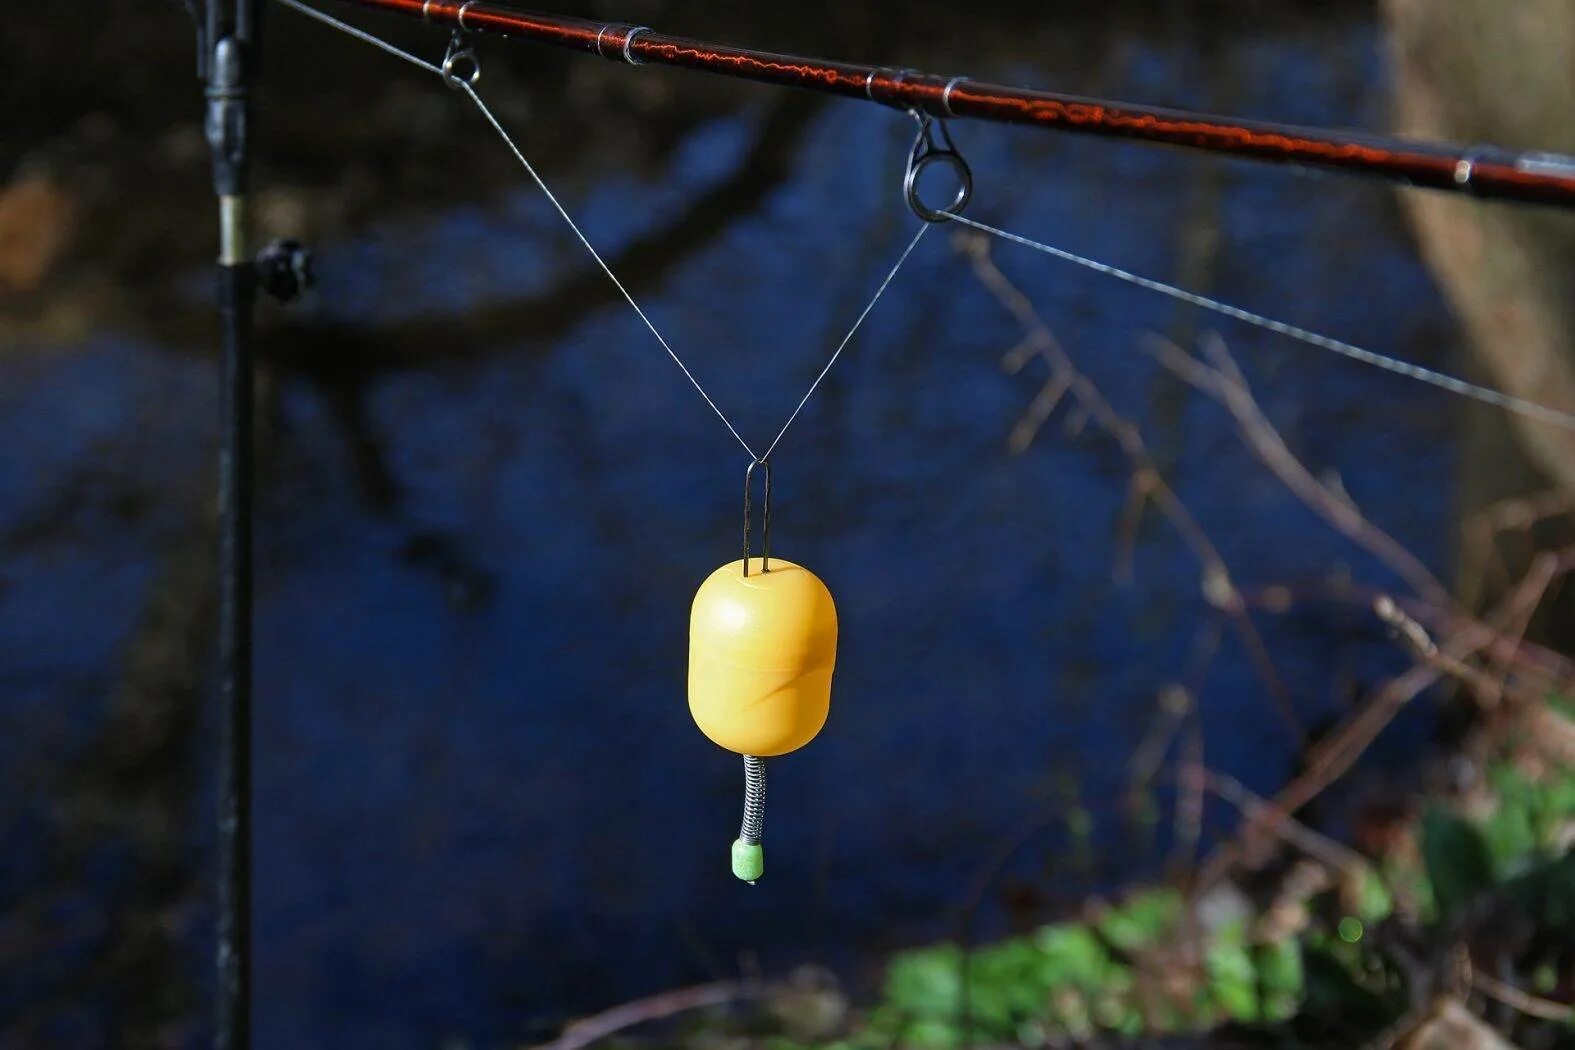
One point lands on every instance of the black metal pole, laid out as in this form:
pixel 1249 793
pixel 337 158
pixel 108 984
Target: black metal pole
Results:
pixel 236 294
pixel 229 30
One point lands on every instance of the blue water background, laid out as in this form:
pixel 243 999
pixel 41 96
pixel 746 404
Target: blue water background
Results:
pixel 481 805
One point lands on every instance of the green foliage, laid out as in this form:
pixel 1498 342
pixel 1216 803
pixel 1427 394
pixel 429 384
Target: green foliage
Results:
pixel 926 984
pixel 1527 818
pixel 1374 901
pixel 1282 978
pixel 1144 920
pixel 1142 967
pixel 1232 974
pixel 1074 980
pixel 1458 862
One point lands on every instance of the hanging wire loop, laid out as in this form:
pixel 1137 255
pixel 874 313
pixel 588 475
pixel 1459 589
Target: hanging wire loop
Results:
pixel 765 515
pixel 927 151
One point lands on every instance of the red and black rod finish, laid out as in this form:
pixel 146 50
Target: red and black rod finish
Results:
pixel 1541 178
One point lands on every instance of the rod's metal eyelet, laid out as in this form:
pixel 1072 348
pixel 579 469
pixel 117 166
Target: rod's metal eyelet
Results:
pixel 461 68
pixel 959 168
pixel 927 151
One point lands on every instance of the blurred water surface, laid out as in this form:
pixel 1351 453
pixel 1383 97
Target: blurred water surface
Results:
pixel 481 805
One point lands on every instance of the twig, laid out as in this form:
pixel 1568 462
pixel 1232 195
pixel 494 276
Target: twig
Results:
pixel 1189 796
pixel 1518 513
pixel 1066 380
pixel 1223 381
pixel 1175 702
pixel 1426 650
pixel 1480 532
pixel 1523 656
pixel 1333 756
pixel 1528 595
pixel 1525 1002
pixel 1260 810
pixel 584 1032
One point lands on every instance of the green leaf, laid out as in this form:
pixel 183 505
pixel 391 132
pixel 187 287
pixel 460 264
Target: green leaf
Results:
pixel 1142 920
pixel 1374 902
pixel 1280 968
pixel 1459 864
pixel 926 983
pixel 1070 953
pixel 1281 978
pixel 1006 985
pixel 939 1035
pixel 1232 978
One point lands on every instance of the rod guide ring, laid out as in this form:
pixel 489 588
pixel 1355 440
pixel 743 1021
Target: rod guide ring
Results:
pixel 927 151
pixel 461 67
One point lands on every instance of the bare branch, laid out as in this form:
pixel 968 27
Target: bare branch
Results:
pixel 1090 405
pixel 1223 381
pixel 1524 657
pixel 1525 1002
pixel 1264 813
pixel 1481 531
pixel 1175 704
pixel 1335 754
pixel 584 1032
pixel 1426 650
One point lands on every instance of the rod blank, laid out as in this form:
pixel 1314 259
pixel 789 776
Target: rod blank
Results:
pixel 1488 172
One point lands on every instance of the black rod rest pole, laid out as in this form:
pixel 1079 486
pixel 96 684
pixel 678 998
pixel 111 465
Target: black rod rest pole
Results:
pixel 227 28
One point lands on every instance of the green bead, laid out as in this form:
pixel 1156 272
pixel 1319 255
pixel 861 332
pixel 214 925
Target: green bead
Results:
pixel 749 860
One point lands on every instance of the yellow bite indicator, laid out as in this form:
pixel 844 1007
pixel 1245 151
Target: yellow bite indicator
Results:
pixel 761 652
pixel 762 647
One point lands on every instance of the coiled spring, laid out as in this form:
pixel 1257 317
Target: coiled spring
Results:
pixel 754 800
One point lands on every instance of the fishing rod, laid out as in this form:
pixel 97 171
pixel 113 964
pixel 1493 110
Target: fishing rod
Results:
pixel 1482 171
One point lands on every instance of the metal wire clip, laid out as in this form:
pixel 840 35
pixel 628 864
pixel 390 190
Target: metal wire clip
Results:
pixel 765 516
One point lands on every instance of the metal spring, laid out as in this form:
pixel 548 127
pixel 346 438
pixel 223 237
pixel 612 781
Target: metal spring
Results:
pixel 754 800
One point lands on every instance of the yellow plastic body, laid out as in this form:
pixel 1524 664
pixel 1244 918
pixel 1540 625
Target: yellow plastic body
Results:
pixel 761 651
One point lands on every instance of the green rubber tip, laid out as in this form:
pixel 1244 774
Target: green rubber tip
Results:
pixel 749 860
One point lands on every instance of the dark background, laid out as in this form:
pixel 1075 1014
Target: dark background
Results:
pixel 488 497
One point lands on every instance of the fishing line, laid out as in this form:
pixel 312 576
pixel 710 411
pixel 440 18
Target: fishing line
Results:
pixel 531 171
pixel 362 35
pixel 467 85
pixel 847 338
pixel 1509 402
